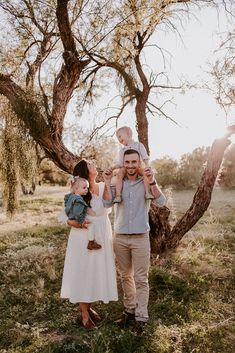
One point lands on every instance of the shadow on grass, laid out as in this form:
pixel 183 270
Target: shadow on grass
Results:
pixel 175 300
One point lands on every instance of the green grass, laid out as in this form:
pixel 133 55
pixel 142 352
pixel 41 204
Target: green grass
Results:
pixel 191 290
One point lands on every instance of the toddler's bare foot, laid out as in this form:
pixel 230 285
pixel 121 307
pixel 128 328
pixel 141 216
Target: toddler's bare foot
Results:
pixel 117 199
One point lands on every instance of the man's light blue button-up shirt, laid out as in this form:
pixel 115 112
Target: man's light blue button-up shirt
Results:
pixel 131 215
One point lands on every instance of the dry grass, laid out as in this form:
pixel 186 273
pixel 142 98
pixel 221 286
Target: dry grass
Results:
pixel 222 204
pixel 38 209
pixel 192 287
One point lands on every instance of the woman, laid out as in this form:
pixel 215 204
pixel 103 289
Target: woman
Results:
pixel 90 276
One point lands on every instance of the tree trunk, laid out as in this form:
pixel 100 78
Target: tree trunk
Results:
pixel 159 228
pixel 161 234
pixel 58 153
pixel 142 123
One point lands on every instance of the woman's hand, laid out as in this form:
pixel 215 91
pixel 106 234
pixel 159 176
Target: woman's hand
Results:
pixel 75 224
pixel 85 224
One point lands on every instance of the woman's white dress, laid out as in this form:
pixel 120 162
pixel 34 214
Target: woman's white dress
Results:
pixel 90 275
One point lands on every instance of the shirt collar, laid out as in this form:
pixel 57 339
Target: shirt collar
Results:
pixel 137 180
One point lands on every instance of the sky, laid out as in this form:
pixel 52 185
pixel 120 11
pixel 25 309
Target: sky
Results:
pixel 200 120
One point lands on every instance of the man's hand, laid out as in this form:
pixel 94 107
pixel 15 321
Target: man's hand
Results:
pixel 107 175
pixel 148 172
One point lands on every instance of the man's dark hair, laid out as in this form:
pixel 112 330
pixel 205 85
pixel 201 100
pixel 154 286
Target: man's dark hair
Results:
pixel 131 151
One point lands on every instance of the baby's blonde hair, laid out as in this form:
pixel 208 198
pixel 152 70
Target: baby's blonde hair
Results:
pixel 127 129
pixel 76 182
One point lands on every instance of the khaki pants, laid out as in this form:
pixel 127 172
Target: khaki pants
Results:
pixel 133 257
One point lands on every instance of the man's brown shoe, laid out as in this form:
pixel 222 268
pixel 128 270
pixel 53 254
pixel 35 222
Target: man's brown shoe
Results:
pixel 139 328
pixel 125 319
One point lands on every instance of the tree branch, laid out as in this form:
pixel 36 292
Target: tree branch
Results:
pixel 24 107
pixel 64 27
pixel 159 109
pixel 116 117
pixel 69 74
pixel 42 53
pixel 202 196
pixel 29 113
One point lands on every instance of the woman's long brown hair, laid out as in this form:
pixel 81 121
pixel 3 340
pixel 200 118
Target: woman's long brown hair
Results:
pixel 81 170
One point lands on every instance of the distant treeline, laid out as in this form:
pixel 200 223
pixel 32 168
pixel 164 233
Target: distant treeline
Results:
pixel 186 172
pixel 182 174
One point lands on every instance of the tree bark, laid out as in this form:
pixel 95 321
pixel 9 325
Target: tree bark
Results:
pixel 141 120
pixel 141 102
pixel 159 228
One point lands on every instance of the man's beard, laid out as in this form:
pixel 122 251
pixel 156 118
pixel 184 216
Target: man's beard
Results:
pixel 131 171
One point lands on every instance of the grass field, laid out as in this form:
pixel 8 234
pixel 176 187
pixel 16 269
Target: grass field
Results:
pixel 191 297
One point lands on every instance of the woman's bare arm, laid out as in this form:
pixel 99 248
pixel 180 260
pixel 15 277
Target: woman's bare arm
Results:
pixel 75 224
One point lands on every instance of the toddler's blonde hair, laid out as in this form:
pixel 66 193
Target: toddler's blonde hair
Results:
pixel 127 129
pixel 77 182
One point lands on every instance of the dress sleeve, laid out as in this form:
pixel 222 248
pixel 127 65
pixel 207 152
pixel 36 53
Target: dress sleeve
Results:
pixel 101 189
pixel 62 217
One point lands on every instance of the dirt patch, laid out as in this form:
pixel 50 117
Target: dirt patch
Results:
pixel 41 208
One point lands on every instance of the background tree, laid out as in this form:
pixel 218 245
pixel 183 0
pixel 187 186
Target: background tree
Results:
pixel 166 171
pixel 49 173
pixel 191 166
pixel 187 172
pixel 18 160
pixel 227 173
pixel 101 149
pixel 223 73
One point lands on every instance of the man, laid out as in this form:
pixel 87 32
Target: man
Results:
pixel 131 239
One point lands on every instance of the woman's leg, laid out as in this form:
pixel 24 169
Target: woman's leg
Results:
pixel 87 316
pixel 84 307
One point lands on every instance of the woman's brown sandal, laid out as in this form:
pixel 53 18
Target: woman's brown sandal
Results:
pixel 94 315
pixel 89 324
